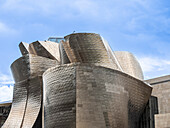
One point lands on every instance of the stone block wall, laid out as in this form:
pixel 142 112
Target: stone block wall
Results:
pixel 161 89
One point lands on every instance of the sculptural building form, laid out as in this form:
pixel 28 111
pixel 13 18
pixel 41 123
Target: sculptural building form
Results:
pixel 77 83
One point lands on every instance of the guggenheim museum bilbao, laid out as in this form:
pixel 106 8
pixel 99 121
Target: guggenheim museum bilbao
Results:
pixel 79 82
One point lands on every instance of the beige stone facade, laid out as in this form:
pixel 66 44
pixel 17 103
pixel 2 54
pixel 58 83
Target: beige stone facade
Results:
pixel 161 89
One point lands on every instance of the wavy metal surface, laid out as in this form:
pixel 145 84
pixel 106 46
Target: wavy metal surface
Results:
pixel 88 48
pixel 104 97
pixel 27 100
pixel 60 98
pixel 30 65
pixel 15 117
pixel 129 64
pixel 34 100
pixel 82 94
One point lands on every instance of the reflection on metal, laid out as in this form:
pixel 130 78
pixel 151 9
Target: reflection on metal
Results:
pixel 129 64
pixel 76 82
pixel 111 54
pixel 27 98
pixel 93 91
pixel 86 95
pixel 46 49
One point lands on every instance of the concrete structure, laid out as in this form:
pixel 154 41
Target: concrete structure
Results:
pixel 161 90
pixel 85 85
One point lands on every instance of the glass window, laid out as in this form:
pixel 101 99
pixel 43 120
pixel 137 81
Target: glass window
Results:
pixel 53 39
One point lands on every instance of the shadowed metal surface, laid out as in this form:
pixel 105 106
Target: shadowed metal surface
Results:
pixel 92 92
pixel 63 56
pixel 104 97
pixel 34 100
pixel 60 98
pixel 46 49
pixel 24 48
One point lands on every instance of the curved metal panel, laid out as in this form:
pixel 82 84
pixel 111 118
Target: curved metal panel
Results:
pixel 60 98
pixel 108 98
pixel 33 106
pixel 30 65
pixel 88 48
pixel 15 117
pixel 46 49
pixel 129 64
pixel 21 68
pixel 104 97
pixel 27 104
pixel 24 48
pixel 82 94
pixel 63 56
pixel 39 64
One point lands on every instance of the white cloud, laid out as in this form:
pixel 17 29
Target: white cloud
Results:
pixel 6 87
pixel 113 9
pixel 6 79
pixel 133 21
pixel 131 14
pixel 16 5
pixel 4 29
pixel 150 64
pixel 153 66
pixel 6 93
pixel 86 8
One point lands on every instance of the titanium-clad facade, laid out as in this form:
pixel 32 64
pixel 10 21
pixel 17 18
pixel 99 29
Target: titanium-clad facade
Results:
pixel 77 83
pixel 87 96
pixel 88 48
pixel 129 64
pixel 26 110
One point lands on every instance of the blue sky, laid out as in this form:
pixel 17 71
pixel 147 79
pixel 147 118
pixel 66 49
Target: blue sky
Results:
pixel 139 26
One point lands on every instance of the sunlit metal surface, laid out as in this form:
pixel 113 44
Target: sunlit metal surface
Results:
pixel 27 100
pixel 98 89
